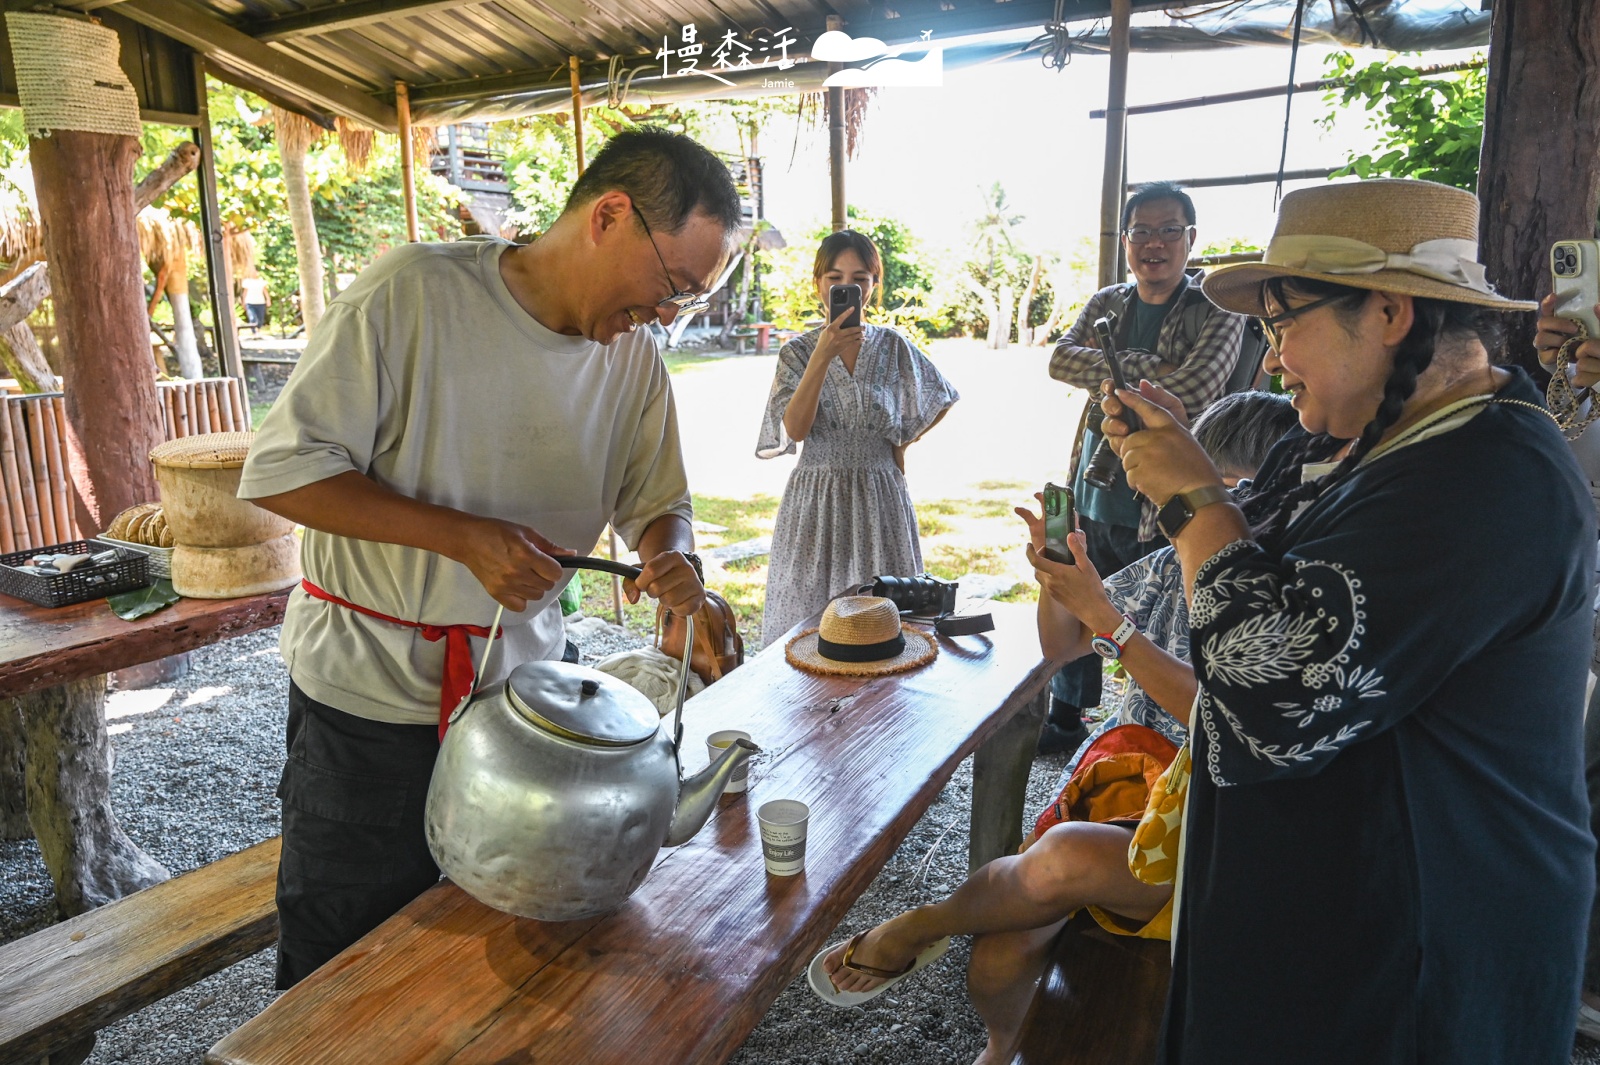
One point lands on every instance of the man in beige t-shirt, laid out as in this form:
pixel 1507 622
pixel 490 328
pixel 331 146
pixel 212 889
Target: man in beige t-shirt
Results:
pixel 464 414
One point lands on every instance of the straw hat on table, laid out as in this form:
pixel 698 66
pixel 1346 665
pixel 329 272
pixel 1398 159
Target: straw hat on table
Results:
pixel 1415 238
pixel 860 636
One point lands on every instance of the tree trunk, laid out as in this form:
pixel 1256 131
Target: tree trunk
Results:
pixel 182 319
pixel 13 775
pixel 20 354
pixel 1000 327
pixel 307 249
pixel 1025 331
pixel 84 186
pixel 183 159
pixel 1539 172
pixel 69 797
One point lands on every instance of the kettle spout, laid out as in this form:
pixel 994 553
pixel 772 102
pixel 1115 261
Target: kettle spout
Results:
pixel 697 795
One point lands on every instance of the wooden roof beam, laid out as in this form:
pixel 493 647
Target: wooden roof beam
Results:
pixel 236 51
pixel 344 16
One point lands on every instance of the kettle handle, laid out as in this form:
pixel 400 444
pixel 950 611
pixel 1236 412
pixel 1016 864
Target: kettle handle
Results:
pixel 622 569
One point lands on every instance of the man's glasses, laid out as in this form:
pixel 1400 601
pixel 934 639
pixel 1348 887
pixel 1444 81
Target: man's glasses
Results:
pixel 1270 325
pixel 685 302
pixel 1144 234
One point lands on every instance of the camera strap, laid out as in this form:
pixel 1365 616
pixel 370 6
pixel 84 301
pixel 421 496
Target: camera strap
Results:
pixel 963 624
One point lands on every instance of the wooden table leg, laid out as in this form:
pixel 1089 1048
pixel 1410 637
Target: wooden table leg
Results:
pixel 89 857
pixel 1000 783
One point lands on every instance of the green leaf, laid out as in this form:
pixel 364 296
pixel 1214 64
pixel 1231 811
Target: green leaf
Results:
pixel 131 606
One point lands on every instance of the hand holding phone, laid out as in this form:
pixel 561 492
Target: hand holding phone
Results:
pixel 843 298
pixel 1059 522
pixel 1575 281
pixel 1108 349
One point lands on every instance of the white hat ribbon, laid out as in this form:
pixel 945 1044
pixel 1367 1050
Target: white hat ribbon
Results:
pixel 1452 260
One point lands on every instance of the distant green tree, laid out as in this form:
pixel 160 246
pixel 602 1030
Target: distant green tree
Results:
pixel 1428 126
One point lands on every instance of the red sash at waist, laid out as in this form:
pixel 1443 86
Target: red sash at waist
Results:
pixel 458 675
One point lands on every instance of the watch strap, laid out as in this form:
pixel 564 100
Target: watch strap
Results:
pixel 1189 503
pixel 1111 644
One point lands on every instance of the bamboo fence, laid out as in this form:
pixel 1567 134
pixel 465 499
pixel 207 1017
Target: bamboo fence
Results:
pixel 35 484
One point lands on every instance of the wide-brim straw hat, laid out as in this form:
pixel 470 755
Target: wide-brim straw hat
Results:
pixel 860 636
pixel 1416 238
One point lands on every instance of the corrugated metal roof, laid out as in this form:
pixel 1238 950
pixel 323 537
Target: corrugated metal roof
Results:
pixel 472 59
pixel 464 59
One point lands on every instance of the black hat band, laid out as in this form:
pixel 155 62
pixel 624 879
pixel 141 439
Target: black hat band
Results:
pixel 861 652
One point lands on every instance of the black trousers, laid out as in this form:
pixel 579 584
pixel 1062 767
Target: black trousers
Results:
pixel 354 852
pixel 1077 684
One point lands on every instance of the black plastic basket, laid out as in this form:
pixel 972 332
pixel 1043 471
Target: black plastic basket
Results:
pixel 131 570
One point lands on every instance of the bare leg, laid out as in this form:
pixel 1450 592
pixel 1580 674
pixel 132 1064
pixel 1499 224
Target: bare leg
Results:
pixel 1072 865
pixel 1001 978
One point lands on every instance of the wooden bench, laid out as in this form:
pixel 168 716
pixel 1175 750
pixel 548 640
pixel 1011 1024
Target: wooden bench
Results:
pixel 1101 999
pixel 63 983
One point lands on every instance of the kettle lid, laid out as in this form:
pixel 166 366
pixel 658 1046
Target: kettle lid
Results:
pixel 582 704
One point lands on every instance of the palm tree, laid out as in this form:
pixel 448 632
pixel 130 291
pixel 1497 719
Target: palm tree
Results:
pixel 295 135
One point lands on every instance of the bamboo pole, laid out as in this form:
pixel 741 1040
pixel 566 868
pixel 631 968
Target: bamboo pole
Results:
pixel 215 411
pixel 168 412
pixel 577 111
pixel 30 499
pixel 9 540
pixel 185 399
pixel 203 404
pixel 63 437
pixel 43 490
pixel 836 139
pixel 408 159
pixel 241 413
pixel 225 405
pixel 1116 139
pixel 54 411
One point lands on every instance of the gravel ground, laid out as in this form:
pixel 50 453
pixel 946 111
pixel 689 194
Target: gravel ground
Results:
pixel 196 766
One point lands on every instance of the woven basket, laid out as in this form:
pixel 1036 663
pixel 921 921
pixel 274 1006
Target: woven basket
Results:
pixel 208 451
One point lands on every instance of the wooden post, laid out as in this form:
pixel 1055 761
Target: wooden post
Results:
pixel 219 272
pixel 577 111
pixel 1112 181
pixel 836 138
pixel 84 188
pixel 1539 172
pixel 408 160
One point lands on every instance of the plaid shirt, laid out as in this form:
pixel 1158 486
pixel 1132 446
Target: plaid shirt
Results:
pixel 1202 359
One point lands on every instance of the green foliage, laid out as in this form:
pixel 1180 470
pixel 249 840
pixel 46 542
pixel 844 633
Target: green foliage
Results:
pixel 908 282
pixel 1427 127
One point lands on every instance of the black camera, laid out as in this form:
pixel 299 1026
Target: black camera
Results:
pixel 923 595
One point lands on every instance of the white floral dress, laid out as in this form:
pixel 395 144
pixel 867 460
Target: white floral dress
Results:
pixel 846 516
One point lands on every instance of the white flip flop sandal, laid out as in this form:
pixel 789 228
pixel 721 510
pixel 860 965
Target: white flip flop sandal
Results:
pixel 822 985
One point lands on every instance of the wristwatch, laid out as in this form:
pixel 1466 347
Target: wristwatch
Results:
pixel 1110 644
pixel 1176 512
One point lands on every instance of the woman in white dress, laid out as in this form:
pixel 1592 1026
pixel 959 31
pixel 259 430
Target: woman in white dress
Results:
pixel 858 397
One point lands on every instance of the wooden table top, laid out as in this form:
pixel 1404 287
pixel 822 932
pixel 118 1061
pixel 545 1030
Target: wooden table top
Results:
pixel 690 964
pixel 41 647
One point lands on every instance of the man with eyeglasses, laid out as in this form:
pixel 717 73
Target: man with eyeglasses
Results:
pixel 1169 333
pixel 465 414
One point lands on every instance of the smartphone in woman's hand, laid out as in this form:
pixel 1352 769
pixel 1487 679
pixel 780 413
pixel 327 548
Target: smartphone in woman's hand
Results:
pixel 1058 523
pixel 842 298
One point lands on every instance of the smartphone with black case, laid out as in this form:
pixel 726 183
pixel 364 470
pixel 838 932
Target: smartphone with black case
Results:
pixel 1103 329
pixel 1059 521
pixel 842 298
pixel 1575 280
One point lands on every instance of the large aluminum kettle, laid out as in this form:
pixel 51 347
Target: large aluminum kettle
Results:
pixel 554 791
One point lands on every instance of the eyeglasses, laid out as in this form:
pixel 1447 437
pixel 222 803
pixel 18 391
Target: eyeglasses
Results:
pixel 1144 234
pixel 1269 324
pixel 685 302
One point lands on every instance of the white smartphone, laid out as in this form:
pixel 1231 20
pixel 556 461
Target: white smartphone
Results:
pixel 1575 280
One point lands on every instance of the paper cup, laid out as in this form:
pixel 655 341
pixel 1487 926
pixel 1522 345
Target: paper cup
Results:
pixel 718 742
pixel 783 835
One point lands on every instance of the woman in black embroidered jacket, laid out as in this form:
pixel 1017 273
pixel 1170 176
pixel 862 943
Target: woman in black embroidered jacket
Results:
pixel 1387 853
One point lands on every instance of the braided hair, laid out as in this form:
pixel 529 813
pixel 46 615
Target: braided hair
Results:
pixel 1273 504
